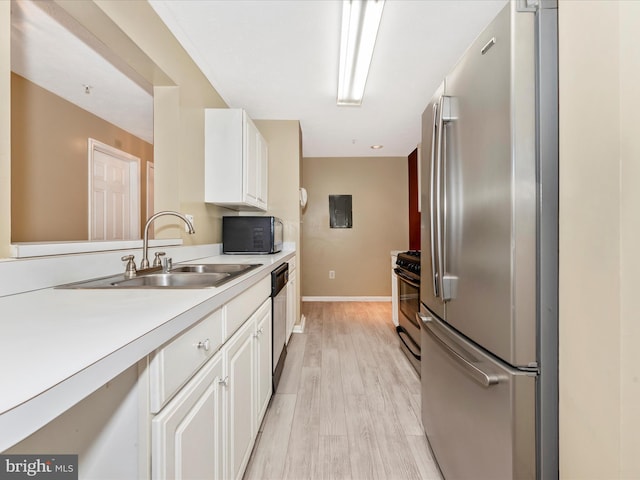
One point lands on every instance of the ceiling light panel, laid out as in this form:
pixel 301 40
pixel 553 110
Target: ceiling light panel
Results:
pixel 360 22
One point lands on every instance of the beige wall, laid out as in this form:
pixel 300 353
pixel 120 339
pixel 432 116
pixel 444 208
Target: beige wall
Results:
pixel 629 239
pixel 5 129
pixel 599 238
pixel 49 167
pixel 180 95
pixel 284 139
pixel 360 256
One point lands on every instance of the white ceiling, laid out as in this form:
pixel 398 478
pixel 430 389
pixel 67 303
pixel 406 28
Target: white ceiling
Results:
pixel 278 59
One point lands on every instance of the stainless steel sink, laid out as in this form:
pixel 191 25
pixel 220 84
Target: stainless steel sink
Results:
pixel 174 280
pixel 231 268
pixel 181 276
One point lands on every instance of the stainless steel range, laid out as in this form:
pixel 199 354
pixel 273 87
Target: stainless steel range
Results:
pixel 408 272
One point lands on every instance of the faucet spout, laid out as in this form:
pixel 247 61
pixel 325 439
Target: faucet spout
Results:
pixel 145 244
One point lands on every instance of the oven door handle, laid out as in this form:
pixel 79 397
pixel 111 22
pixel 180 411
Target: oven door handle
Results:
pixel 401 330
pixel 406 278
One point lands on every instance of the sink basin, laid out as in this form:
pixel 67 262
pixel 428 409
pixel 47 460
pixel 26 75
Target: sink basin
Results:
pixel 174 280
pixel 181 276
pixel 231 268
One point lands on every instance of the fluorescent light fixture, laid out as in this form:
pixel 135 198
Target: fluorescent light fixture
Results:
pixel 360 22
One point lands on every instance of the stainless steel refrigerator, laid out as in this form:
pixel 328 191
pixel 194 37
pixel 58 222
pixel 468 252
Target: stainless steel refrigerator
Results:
pixel 488 287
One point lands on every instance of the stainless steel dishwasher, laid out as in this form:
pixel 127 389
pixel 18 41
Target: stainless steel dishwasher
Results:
pixel 279 279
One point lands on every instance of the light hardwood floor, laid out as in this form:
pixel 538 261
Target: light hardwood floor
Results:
pixel 348 402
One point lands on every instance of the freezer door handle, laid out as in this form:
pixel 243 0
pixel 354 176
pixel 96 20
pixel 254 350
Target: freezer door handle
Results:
pixel 483 378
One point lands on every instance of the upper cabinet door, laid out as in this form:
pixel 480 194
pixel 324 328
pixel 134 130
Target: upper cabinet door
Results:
pixel 263 172
pixel 236 161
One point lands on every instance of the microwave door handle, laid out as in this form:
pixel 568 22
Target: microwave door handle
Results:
pixel 432 160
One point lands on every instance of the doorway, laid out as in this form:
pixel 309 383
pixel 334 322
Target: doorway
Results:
pixel 114 193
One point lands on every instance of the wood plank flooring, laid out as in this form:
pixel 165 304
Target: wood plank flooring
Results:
pixel 348 402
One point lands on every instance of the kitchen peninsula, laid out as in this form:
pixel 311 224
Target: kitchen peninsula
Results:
pixel 58 346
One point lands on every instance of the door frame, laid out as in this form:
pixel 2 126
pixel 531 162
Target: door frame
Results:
pixel 134 183
pixel 150 201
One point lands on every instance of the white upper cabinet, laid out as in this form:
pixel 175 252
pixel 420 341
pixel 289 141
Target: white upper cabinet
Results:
pixel 236 160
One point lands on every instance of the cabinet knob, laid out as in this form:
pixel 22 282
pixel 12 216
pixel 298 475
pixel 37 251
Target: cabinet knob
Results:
pixel 204 345
pixel 224 382
pixel 259 332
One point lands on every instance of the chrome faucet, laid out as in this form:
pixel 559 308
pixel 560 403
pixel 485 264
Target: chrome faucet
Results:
pixel 145 245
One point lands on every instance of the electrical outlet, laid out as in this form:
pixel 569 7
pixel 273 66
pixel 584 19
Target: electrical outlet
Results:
pixel 190 218
pixel 332 274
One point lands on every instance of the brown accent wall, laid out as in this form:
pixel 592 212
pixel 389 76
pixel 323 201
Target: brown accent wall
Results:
pixel 49 163
pixel 414 213
pixel 360 256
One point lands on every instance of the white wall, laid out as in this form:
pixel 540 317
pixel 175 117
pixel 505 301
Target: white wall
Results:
pixel 599 238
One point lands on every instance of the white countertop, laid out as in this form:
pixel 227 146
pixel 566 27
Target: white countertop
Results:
pixel 58 346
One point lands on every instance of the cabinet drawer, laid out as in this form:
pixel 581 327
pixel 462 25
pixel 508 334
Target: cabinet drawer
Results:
pixel 243 306
pixel 172 365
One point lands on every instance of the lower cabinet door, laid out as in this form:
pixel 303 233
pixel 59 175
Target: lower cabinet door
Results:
pixel 291 304
pixel 264 369
pixel 186 436
pixel 241 397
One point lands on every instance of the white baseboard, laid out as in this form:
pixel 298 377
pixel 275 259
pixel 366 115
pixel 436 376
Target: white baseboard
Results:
pixel 299 328
pixel 346 299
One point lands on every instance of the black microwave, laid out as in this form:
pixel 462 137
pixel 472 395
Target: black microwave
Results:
pixel 251 235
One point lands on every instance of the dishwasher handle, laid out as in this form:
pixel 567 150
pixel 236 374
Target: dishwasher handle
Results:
pixel 279 279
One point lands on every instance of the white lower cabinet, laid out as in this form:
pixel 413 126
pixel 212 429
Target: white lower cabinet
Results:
pixel 240 395
pixel 208 428
pixel 187 435
pixel 264 368
pixel 249 386
pixel 292 306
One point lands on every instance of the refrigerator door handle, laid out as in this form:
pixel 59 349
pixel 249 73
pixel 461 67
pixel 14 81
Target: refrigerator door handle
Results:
pixel 434 131
pixel 448 283
pixel 483 378
pixel 439 213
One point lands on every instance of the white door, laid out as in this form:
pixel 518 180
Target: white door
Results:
pixel 114 193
